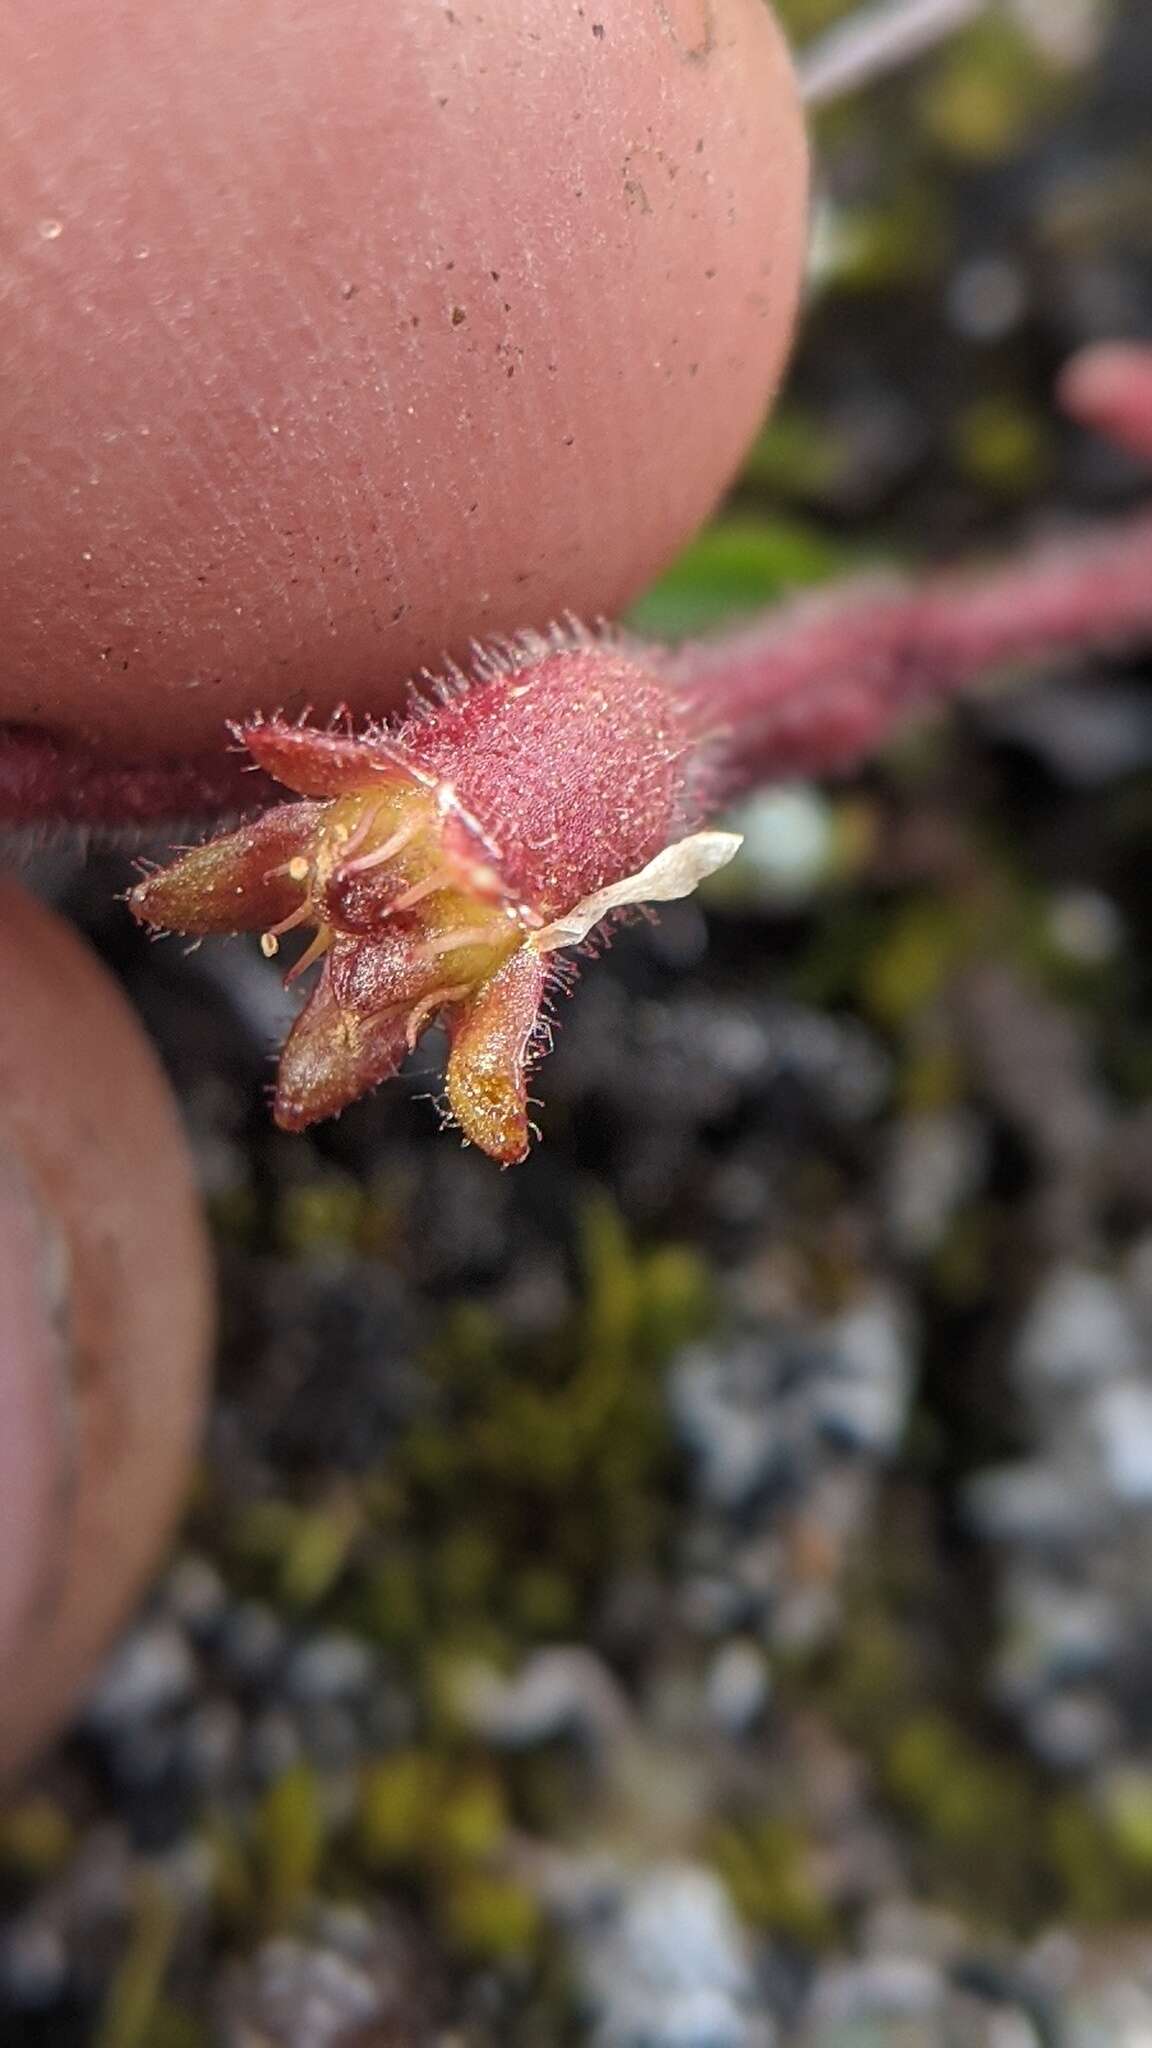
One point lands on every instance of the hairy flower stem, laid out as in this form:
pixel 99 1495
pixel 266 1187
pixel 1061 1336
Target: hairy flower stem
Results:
pixel 817 688
pixel 51 780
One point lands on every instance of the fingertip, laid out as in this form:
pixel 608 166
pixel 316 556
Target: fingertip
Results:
pixel 104 1316
pixel 476 329
pixel 34 1460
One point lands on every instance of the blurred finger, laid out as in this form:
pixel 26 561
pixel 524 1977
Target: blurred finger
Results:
pixel 104 1317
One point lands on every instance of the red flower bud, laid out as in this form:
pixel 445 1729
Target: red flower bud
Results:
pixel 439 865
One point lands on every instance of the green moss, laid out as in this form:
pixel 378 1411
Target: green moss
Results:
pixel 36 1837
pixel 861 1685
pixel 804 18
pixel 442 1825
pixel 322 1215
pixel 1127 1818
pixel 234 1887
pixel 396 1807
pixel 964 1263
pixel 420 1809
pixel 854 826
pixel 471 1818
pixel 298 1552
pixel 473 1339
pixel 931 1078
pixel 612 1280
pixel 891 244
pixel 173 2026
pixel 234 1216
pixel 767 1869
pixel 831 965
pixel 131 2006
pixel 392 1607
pixel 999 443
pixel 913 961
pixel 288 1840
pixel 986 90
pixel 490 1917
pixel 464 1568
pixel 317 1552
pixel 533 1473
pixel 959 1796
pixel 677 1298
pixel 735 566
pixel 1100 1879
pixel 985 1832
pixel 542 1603
pixel 795 454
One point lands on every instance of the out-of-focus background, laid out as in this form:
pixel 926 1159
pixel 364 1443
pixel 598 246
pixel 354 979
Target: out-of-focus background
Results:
pixel 695 1591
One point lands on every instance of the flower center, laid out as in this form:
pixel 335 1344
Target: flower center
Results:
pixel 395 862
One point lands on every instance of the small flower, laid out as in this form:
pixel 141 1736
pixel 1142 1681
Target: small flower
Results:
pixel 441 865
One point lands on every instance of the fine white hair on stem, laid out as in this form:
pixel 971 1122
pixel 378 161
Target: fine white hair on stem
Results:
pixel 876 40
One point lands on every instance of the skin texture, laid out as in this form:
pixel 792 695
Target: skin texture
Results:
pixel 103 1294
pixel 240 476
pixel 336 335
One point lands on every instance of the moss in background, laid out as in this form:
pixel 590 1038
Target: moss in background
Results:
pixel 739 565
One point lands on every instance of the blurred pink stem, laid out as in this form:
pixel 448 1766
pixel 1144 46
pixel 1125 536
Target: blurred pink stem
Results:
pixel 818 687
pixel 45 780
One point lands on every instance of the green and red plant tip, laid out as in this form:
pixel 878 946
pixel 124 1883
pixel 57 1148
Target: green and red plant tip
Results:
pixel 441 865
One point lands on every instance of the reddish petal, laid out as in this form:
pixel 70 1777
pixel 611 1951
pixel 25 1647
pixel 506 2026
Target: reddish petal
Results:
pixel 233 884
pixel 333 1056
pixel 320 763
pixel 487 1070
pixel 369 975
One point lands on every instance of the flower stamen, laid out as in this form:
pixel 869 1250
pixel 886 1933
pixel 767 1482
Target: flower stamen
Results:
pixel 422 1013
pixel 408 898
pixel 309 957
pixel 303 914
pixel 365 862
pixel 459 941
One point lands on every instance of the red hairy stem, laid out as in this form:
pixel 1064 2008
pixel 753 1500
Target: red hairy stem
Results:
pixel 50 780
pixel 818 688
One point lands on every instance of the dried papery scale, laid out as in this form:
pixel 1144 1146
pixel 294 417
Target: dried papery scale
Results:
pixel 440 865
